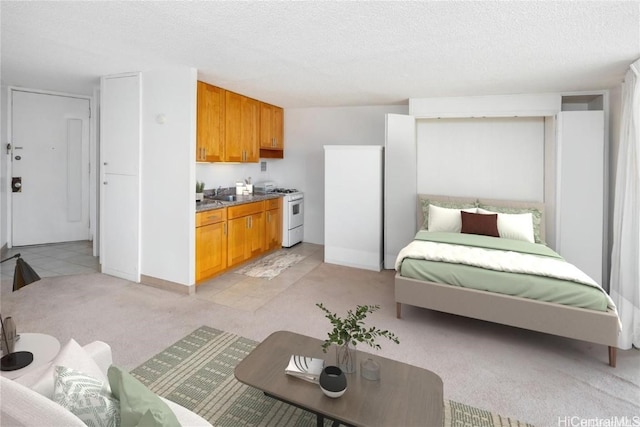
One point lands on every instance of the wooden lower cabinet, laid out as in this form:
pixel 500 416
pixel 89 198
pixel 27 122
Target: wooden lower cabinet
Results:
pixel 273 223
pixel 230 236
pixel 211 243
pixel 246 232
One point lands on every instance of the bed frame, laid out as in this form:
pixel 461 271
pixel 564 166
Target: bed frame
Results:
pixel 571 322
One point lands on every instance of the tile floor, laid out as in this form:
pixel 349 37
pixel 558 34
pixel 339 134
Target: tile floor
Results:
pixel 56 259
pixel 250 293
pixel 230 289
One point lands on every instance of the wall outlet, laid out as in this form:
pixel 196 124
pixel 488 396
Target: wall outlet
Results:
pixel 263 166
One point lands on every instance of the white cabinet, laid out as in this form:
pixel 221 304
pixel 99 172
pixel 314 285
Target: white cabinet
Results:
pixel 120 145
pixel 580 190
pixel 400 186
pixel 353 185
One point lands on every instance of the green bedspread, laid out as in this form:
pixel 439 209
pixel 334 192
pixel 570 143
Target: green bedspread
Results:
pixel 516 284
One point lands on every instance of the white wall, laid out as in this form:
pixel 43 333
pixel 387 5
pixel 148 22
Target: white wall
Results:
pixel 306 132
pixel 500 158
pixel 168 174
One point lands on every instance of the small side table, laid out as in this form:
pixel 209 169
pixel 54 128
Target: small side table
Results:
pixel 44 348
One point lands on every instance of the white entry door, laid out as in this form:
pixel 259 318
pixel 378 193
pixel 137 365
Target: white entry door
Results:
pixel 50 160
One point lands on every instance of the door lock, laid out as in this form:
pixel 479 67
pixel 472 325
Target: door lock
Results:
pixel 16 184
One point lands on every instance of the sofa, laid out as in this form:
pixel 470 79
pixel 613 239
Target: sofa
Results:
pixel 28 400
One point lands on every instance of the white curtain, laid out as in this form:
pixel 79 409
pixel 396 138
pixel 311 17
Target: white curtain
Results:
pixel 625 256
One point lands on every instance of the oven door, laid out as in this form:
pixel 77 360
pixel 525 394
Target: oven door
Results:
pixel 295 213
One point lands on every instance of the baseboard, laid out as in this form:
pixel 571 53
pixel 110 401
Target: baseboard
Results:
pixel 167 285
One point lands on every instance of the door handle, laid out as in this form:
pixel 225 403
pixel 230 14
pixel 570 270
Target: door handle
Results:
pixel 16 184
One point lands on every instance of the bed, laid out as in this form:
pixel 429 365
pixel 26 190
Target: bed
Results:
pixel 426 276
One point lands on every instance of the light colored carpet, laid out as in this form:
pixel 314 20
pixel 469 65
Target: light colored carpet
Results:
pixel 271 265
pixel 197 373
pixel 521 374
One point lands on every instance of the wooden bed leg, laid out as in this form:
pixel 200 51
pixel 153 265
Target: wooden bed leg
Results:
pixel 612 356
pixel 399 310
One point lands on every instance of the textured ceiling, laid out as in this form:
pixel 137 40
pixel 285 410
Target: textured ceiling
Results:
pixel 303 54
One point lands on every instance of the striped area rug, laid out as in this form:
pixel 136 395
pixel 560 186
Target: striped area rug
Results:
pixel 197 373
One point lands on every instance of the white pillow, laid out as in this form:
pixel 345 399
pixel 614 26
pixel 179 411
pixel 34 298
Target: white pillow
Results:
pixel 73 356
pixel 514 226
pixel 445 219
pixel 86 397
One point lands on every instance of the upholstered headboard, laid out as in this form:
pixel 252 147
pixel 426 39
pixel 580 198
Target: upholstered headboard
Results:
pixel 505 206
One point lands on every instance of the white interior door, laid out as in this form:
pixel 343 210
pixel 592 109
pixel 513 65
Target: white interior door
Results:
pixel 50 157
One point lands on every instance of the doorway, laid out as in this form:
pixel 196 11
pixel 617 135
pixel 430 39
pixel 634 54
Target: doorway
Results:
pixel 49 167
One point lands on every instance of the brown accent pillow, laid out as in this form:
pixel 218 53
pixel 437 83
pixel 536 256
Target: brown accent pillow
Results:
pixel 473 223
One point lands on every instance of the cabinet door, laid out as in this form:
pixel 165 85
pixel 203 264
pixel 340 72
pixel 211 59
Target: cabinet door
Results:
pixel 250 131
pixel 236 241
pixel 278 127
pixel 266 126
pixel 211 250
pixel 271 127
pixel 256 238
pixel 273 229
pixel 210 123
pixel 234 148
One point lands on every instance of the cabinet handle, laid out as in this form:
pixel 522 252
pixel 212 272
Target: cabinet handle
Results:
pixel 224 231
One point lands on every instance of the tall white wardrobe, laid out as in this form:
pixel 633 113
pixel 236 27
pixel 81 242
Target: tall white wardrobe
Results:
pixel 580 185
pixel 353 185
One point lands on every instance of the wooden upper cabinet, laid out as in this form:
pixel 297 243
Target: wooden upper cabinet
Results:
pixel 278 127
pixel 251 129
pixel 241 129
pixel 266 128
pixel 233 127
pixel 210 123
pixel 271 131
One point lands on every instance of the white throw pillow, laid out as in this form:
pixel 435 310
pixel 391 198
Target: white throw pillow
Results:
pixel 73 356
pixel 445 219
pixel 514 226
pixel 86 397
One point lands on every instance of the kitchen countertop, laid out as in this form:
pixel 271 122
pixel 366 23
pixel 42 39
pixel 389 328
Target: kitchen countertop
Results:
pixel 208 204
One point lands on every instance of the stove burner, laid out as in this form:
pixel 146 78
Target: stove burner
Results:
pixel 285 190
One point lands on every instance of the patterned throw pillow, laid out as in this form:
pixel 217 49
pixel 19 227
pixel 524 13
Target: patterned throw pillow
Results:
pixel 425 202
pixel 86 397
pixel 536 215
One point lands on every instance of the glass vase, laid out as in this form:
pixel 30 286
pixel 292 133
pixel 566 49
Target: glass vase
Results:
pixel 346 357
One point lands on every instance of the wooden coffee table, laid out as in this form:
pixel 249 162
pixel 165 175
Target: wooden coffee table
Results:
pixel 405 395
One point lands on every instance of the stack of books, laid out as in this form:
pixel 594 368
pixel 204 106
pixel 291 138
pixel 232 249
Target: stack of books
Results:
pixel 306 368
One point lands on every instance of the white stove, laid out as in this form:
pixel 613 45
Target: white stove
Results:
pixel 292 211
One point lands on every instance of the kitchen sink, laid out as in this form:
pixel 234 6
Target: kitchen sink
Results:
pixel 227 198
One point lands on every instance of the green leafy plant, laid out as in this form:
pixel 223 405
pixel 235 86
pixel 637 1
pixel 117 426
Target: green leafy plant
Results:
pixel 199 186
pixel 352 330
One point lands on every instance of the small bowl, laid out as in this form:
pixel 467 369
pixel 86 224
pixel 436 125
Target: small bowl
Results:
pixel 333 381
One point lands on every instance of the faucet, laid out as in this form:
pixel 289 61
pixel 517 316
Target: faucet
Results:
pixel 217 190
